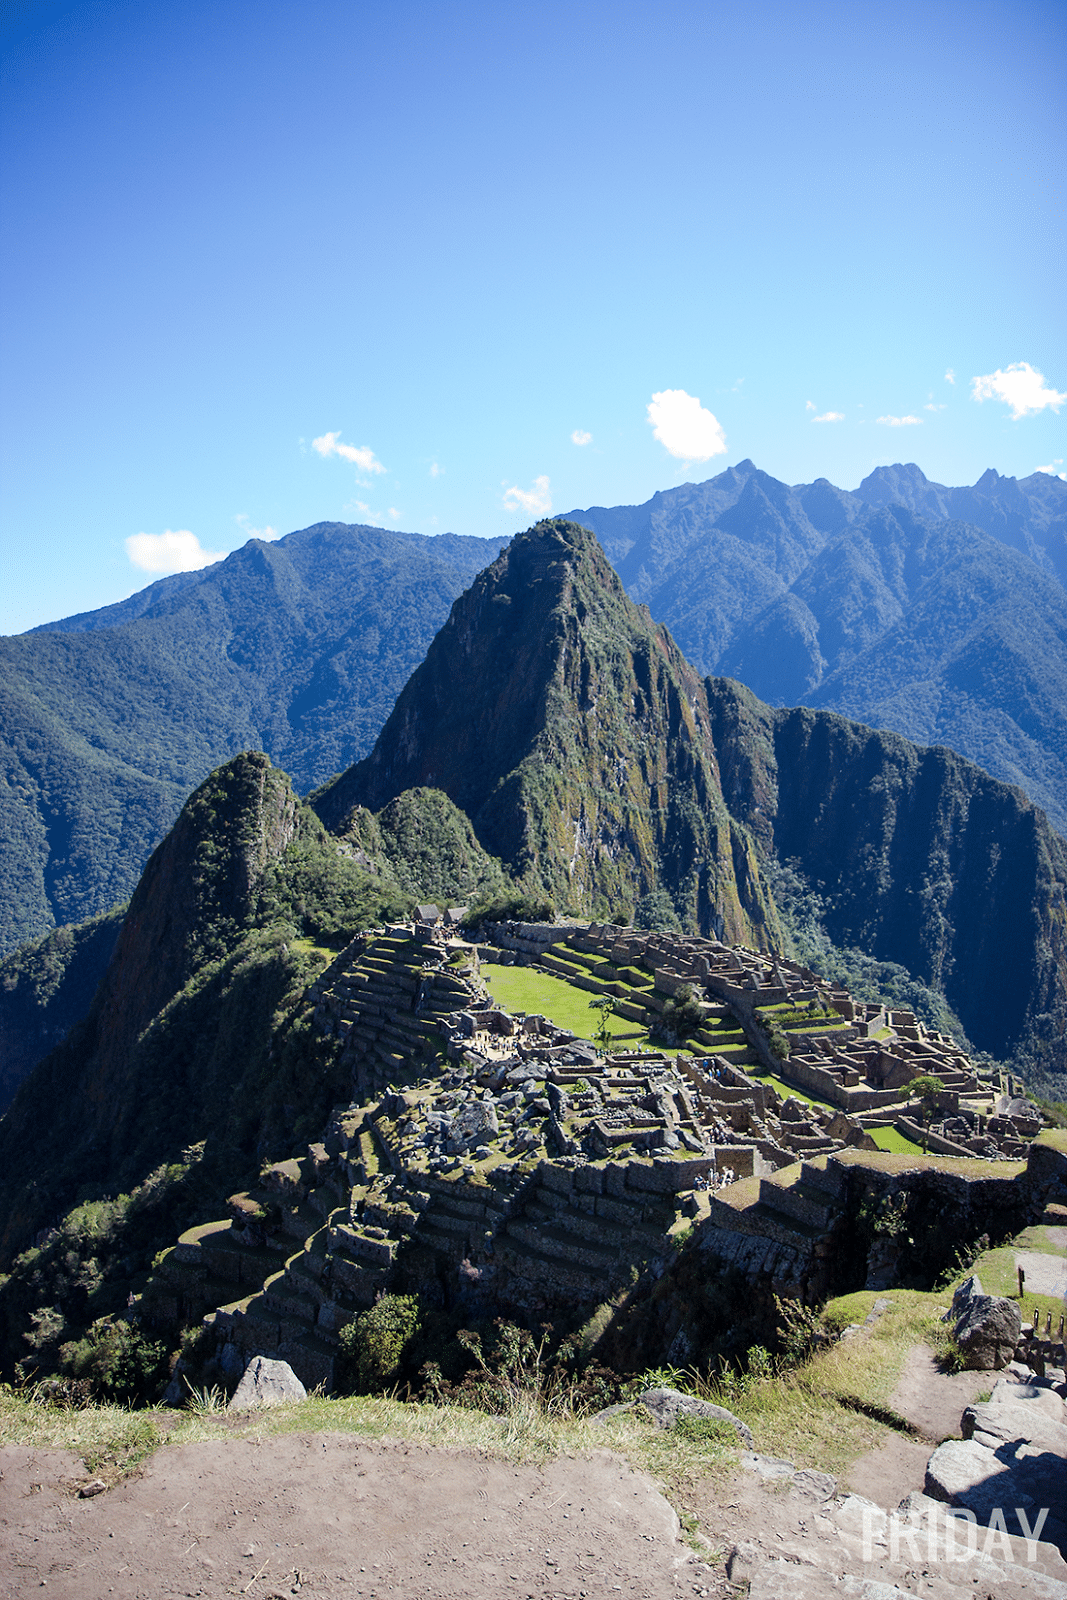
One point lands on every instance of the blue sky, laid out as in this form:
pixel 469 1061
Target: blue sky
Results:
pixel 448 240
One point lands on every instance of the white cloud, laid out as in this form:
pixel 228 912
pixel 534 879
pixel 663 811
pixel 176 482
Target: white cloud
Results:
pixel 435 470
pixel 950 376
pixel 682 426
pixel 1020 387
pixel 243 522
pixel 537 501
pixel 175 550
pixel 357 505
pixel 393 512
pixel 901 422
pixel 579 436
pixel 361 456
pixel 930 406
pixel 1051 468
pixel 830 416
pixel 809 405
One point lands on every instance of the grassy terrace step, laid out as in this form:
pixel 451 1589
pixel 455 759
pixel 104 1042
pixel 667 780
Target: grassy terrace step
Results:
pixel 193 1238
pixel 290 1301
pixel 769 1219
pixel 318 1349
pixel 449 1222
pixel 799 1201
pixel 259 1324
pixel 431 1234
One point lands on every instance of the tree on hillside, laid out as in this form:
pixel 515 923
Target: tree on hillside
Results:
pixel 604 1004
pixel 927 1088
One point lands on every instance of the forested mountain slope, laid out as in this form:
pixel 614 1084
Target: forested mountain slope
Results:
pixel 573 734
pixel 298 648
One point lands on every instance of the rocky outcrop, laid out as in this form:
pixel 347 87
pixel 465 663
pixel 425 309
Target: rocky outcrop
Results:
pixel 987 1327
pixel 266 1383
pixel 1011 1462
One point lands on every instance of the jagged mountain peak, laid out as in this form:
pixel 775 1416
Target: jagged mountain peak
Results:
pixel 576 737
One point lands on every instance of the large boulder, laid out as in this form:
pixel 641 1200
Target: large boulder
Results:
pixel 267 1383
pixel 475 1122
pixel 987 1331
pixel 667 1405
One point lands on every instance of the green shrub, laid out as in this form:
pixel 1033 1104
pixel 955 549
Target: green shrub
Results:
pixel 118 1362
pixel 372 1345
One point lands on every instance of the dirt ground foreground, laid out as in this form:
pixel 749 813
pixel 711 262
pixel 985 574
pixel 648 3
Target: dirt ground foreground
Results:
pixel 333 1515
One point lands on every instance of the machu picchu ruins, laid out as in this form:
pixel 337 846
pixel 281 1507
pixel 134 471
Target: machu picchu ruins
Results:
pixel 502 1160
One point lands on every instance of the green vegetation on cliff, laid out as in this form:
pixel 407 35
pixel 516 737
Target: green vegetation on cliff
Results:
pixel 200 1029
pixel 918 858
pixel 428 847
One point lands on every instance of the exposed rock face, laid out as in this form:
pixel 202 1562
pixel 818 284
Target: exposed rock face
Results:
pixel 474 1123
pixel 576 738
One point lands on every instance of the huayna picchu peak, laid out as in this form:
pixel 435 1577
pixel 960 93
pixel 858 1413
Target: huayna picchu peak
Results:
pixel 570 729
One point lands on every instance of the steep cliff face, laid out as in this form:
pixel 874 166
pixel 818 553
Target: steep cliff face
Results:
pixel 154 1063
pixel 576 738
pixel 194 898
pixel 921 857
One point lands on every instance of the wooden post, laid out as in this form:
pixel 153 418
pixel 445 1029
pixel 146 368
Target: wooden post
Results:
pixel 1022 1280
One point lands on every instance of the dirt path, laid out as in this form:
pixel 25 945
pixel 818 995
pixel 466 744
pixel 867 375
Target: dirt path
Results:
pixel 933 1402
pixel 1045 1272
pixel 321 1516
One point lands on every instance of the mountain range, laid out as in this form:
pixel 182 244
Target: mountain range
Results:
pixel 602 770
pixel 940 613
pixel 108 719
pixel 936 612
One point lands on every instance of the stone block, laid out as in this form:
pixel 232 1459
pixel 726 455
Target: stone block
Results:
pixel 615 1179
pixel 559 1179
